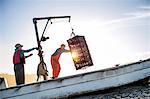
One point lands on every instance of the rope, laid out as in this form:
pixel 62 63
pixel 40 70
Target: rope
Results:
pixel 72 33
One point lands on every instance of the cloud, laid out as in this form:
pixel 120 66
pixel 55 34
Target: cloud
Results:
pixel 142 12
pixel 134 16
pixel 145 7
pixel 131 16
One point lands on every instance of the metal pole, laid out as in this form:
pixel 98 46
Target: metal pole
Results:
pixel 38 40
pixel 55 17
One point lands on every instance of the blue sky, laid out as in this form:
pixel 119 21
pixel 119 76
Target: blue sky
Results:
pixel 117 31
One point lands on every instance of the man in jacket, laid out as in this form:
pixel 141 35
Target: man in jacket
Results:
pixel 19 61
pixel 55 60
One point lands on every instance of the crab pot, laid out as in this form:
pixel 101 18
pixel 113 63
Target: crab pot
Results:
pixel 80 52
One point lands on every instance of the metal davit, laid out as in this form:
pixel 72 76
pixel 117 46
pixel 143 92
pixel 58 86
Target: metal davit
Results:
pixel 42 69
pixel 77 44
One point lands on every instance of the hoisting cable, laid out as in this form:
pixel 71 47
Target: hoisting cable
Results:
pixel 72 33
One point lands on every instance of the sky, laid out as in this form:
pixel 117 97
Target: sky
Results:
pixel 116 31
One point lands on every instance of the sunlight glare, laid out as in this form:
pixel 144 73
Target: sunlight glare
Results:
pixel 75 56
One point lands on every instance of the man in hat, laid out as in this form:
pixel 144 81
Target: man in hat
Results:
pixel 55 60
pixel 19 61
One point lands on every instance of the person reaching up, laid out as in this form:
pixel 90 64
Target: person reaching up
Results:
pixel 55 60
